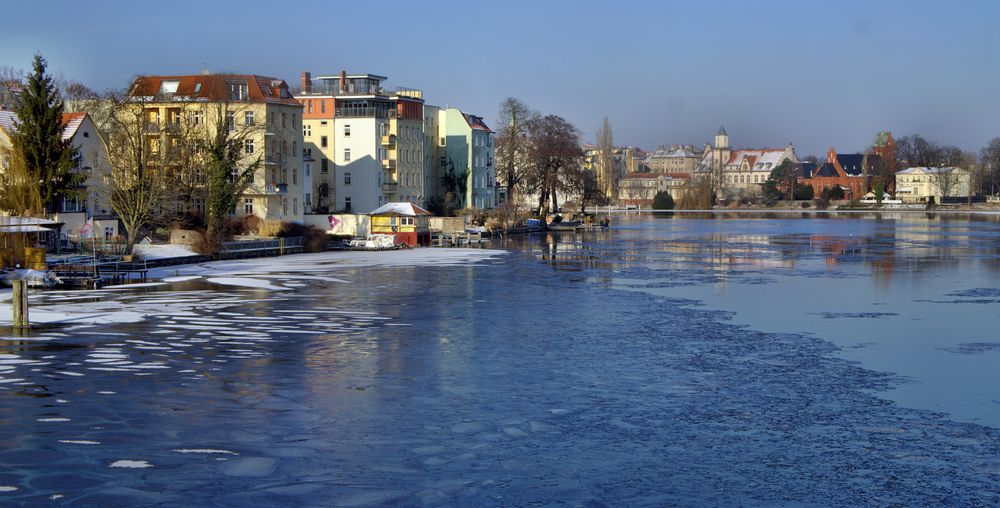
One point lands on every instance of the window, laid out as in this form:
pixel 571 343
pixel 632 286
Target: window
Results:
pixel 308 168
pixel 347 155
pixel 248 118
pixel 309 105
pixel 307 153
pixel 307 130
pixel 238 90
pixel 406 221
pixel 295 147
pixel 295 177
pixel 248 145
pixel 197 87
pixel 347 131
pixel 309 200
pixel 284 206
pixel 322 106
pixel 231 121
pixel 322 141
pixel 295 119
pixel 295 203
pixel 347 178
pixel 248 206
pixel 323 166
pixel 284 120
pixel 347 204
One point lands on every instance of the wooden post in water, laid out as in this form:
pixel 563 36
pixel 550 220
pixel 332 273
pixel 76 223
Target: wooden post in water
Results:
pixel 19 302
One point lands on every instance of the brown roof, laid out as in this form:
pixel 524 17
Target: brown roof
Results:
pixel 260 89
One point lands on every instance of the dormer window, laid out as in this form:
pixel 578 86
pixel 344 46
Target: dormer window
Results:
pixel 169 87
pixel 197 87
pixel 238 90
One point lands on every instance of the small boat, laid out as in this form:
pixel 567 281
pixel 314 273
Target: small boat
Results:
pixel 565 225
pixel 33 278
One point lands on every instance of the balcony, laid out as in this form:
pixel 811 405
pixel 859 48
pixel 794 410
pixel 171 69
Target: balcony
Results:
pixel 365 112
pixel 152 127
pixel 276 188
pixel 274 159
pixel 389 164
pixel 389 140
pixel 389 187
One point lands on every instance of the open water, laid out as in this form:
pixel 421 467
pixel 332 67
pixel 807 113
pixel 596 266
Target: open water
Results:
pixel 729 359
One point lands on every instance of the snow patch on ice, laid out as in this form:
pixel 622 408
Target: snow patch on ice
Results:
pixel 130 464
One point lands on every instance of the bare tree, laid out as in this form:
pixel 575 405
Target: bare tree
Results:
pixel 11 84
pixel 555 149
pixel 946 179
pixel 607 175
pixel 989 160
pixel 136 179
pixel 512 144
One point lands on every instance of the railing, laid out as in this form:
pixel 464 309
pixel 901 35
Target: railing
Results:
pixel 365 112
pixel 152 128
pixel 389 139
pixel 389 164
pixel 389 187
pixel 276 246
pixel 276 188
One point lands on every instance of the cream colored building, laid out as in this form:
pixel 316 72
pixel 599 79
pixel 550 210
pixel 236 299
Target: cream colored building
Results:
pixel 919 184
pixel 366 144
pixel 639 189
pixel 740 173
pixel 79 129
pixel 260 109
pixel 673 159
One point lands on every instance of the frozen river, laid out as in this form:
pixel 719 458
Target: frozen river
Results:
pixel 674 360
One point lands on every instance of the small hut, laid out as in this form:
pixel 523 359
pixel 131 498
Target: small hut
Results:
pixel 406 221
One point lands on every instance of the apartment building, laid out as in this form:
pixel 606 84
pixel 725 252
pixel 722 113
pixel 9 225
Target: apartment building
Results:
pixel 468 148
pixel 369 143
pixel 258 109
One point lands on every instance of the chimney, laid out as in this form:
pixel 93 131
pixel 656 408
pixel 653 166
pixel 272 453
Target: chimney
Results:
pixel 343 81
pixel 306 82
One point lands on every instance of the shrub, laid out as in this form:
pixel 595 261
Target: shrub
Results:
pixel 663 201
pixel 269 228
pixel 314 238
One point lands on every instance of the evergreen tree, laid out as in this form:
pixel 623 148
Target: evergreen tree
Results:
pixel 38 137
pixel 663 201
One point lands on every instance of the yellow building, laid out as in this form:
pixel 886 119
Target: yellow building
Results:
pixel 259 109
pixel 407 222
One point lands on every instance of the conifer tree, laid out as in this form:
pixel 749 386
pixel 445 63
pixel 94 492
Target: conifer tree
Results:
pixel 38 138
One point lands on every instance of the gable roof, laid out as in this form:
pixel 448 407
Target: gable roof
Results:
pixel 804 169
pixel 400 208
pixel 476 122
pixel 71 123
pixel 827 169
pixel 764 159
pixel 213 88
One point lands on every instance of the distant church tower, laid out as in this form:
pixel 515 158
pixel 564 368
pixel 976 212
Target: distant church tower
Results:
pixel 721 152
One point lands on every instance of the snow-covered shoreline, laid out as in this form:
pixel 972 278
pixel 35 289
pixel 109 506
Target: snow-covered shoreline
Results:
pixel 254 274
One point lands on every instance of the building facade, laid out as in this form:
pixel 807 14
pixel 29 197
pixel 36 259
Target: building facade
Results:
pixel 855 173
pixel 368 143
pixel 469 151
pixel 259 110
pixel 673 159
pixel 740 173
pixel 922 184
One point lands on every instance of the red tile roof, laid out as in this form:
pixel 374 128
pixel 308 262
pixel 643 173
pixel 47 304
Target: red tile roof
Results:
pixel 260 89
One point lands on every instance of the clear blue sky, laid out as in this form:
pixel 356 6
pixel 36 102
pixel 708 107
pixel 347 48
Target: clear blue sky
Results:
pixel 808 72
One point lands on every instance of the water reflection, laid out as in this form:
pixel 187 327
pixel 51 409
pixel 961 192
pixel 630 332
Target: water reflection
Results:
pixel 874 285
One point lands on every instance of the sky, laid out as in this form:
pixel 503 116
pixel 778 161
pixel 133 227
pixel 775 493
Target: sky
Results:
pixel 813 73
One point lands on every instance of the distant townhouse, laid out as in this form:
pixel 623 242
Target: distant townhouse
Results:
pixel 740 173
pixel 260 108
pixel 92 200
pixel 854 173
pixel 468 149
pixel 369 143
pixel 673 159
pixel 932 184
pixel 639 189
